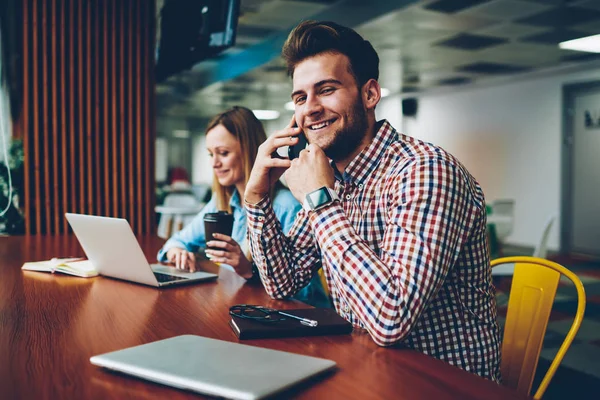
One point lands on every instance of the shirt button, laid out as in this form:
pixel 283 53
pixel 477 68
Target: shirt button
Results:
pixel 260 218
pixel 348 197
pixel 360 185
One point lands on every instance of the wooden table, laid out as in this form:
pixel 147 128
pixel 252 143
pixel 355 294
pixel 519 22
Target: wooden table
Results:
pixel 50 325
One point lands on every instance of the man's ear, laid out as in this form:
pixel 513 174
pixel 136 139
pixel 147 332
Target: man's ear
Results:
pixel 371 93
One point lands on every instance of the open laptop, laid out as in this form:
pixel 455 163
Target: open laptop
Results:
pixel 215 367
pixel 111 246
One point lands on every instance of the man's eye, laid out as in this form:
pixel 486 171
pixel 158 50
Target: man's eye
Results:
pixel 327 90
pixel 300 99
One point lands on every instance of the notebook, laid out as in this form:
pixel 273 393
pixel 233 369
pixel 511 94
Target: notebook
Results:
pixel 71 266
pixel 111 246
pixel 215 367
pixel 329 323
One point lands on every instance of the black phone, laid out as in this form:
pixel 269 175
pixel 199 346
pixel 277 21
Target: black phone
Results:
pixel 294 151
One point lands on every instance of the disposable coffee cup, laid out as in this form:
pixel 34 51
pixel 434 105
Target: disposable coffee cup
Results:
pixel 219 222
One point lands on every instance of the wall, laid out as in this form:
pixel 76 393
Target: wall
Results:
pixel 88 112
pixel 176 151
pixel 201 165
pixel 509 136
pixel 5 124
pixel 161 160
pixel 5 119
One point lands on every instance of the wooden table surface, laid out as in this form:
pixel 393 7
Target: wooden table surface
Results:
pixel 51 324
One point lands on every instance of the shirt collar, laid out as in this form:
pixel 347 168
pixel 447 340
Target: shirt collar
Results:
pixel 363 165
pixel 235 201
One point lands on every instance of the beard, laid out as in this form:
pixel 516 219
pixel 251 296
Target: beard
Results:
pixel 346 140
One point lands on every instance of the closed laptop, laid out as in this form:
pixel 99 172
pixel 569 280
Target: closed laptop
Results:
pixel 215 367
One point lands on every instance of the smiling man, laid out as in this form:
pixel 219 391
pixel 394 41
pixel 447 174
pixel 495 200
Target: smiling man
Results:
pixel 397 224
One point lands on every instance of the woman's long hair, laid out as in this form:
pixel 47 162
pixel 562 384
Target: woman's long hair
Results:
pixel 248 130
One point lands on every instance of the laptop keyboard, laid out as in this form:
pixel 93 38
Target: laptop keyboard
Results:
pixel 168 278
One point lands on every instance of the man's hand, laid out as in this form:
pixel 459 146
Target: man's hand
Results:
pixel 267 169
pixel 309 172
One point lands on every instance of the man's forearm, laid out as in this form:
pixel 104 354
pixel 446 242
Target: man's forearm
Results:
pixel 264 234
pixel 284 262
pixel 374 288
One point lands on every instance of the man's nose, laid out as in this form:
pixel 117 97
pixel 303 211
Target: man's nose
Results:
pixel 313 105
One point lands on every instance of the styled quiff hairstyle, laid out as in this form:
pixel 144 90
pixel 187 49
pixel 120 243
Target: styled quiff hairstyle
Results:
pixel 247 129
pixel 310 38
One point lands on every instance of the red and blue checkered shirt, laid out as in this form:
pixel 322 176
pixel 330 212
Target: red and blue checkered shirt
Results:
pixel 404 252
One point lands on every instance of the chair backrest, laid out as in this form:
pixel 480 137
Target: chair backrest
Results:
pixel 503 207
pixel 174 221
pixel 181 200
pixel 532 293
pixel 541 249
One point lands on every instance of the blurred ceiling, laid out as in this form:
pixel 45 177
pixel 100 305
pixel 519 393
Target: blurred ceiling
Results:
pixel 422 44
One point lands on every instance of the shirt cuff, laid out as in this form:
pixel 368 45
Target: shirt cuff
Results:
pixel 259 215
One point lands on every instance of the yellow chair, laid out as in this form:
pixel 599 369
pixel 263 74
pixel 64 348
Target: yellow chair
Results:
pixel 323 281
pixel 532 293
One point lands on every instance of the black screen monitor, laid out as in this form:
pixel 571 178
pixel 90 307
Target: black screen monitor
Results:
pixel 192 31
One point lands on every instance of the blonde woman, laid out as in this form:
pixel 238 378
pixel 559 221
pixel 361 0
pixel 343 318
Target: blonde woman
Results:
pixel 232 141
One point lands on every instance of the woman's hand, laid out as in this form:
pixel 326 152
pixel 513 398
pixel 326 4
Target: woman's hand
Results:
pixel 182 259
pixel 228 251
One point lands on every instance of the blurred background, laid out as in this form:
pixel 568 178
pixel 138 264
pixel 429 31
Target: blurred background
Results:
pixel 104 104
pixel 483 79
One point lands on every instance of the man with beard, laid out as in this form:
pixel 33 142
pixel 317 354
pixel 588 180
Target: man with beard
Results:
pixel 397 224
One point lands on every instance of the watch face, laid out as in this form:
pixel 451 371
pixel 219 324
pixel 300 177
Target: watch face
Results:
pixel 318 198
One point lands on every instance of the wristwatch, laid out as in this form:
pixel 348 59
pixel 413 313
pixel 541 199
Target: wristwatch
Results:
pixel 319 198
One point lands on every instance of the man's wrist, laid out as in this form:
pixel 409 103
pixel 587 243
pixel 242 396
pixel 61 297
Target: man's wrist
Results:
pixel 254 198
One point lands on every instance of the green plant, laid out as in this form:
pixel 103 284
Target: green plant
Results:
pixel 12 222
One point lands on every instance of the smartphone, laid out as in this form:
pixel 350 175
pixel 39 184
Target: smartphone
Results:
pixel 294 151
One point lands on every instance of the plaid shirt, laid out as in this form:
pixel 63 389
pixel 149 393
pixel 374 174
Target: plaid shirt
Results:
pixel 404 252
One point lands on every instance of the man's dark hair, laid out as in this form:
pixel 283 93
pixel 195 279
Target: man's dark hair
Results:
pixel 310 38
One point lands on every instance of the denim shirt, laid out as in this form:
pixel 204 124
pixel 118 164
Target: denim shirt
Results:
pixel 192 237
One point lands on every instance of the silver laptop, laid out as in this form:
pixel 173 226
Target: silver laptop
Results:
pixel 111 246
pixel 215 367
